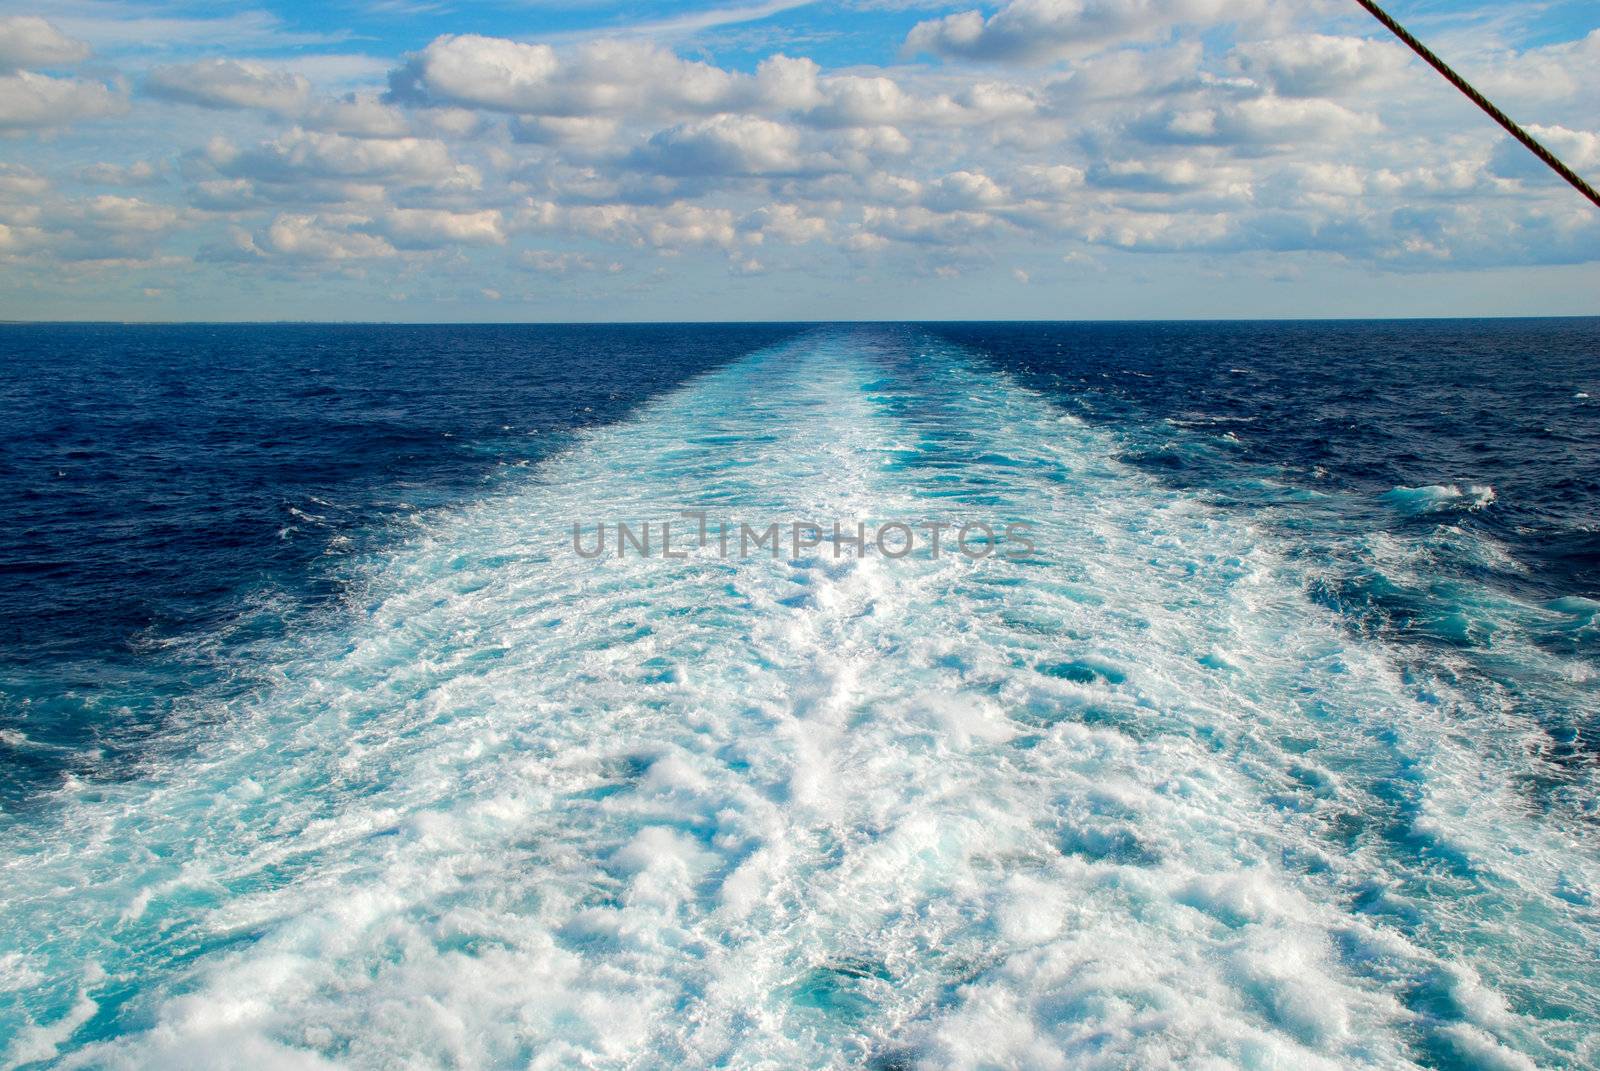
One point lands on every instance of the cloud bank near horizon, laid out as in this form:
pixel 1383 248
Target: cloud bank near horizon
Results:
pixel 1001 146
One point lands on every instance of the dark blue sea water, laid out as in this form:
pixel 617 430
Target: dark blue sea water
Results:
pixel 1363 407
pixel 176 493
pixel 1441 478
pixel 320 747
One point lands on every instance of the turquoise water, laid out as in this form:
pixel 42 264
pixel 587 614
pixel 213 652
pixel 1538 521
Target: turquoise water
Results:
pixel 1138 799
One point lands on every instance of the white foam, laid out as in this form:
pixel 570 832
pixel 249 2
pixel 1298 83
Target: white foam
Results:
pixel 1118 805
pixel 1436 497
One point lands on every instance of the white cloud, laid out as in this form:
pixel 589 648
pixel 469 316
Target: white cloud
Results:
pixel 478 71
pixel 299 155
pixel 226 83
pixel 970 190
pixel 919 225
pixel 1128 74
pixel 862 144
pixel 27 41
pixel 225 195
pixel 322 238
pixel 1578 149
pixel 1564 72
pixel 598 78
pixel 571 131
pixel 670 228
pixel 1035 31
pixel 787 223
pixel 554 263
pixel 892 189
pixel 126 215
pixel 723 145
pixel 103 228
pixel 853 100
pixel 1317 65
pixel 360 115
pixel 998 100
pixel 36 101
pixel 1102 122
pixel 1161 231
pixel 138 173
pixel 289 94
pixel 433 228
pixel 1257 121
pixel 788 83
pixel 17 181
pixel 1162 176
pixel 1049 180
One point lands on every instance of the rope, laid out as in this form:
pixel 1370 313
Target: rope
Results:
pixel 1483 102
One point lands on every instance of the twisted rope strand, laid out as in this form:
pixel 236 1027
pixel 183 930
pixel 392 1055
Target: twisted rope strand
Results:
pixel 1483 102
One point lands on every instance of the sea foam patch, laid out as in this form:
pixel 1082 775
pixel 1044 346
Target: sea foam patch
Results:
pixel 1131 800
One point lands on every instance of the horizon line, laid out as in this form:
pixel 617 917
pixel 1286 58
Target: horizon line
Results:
pixel 809 322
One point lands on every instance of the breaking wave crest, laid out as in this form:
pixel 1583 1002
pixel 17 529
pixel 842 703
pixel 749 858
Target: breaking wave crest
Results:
pixel 1436 498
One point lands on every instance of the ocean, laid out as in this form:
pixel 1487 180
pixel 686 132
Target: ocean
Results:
pixel 1247 715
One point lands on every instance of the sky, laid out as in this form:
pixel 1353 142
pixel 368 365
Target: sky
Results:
pixel 423 160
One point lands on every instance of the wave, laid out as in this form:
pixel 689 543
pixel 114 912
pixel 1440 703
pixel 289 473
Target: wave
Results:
pixel 1438 498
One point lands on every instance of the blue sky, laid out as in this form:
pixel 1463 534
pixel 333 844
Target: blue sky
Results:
pixel 413 160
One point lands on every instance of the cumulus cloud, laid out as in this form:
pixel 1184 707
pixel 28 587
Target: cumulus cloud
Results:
pixel 226 83
pixel 1560 72
pixel 434 228
pixel 1157 231
pixel 1129 74
pixel 665 227
pixel 364 115
pixel 788 223
pixel 108 213
pixel 586 132
pixel 27 41
pixel 30 101
pixel 299 155
pixel 1578 149
pixel 1317 65
pixel 1035 31
pixel 967 190
pixel 102 228
pixel 225 195
pixel 598 78
pixel 862 145
pixel 852 100
pixel 1100 122
pixel 1049 180
pixel 723 145
pixel 322 238
pixel 234 84
pixel 18 182
pixel 1257 121
pixel 1158 176
pixel 558 94
pixel 789 83
pixel 920 225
